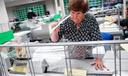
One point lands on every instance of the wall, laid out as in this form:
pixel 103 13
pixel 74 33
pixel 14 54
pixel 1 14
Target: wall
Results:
pixel 50 6
pixel 20 2
pixel 3 13
pixel 10 12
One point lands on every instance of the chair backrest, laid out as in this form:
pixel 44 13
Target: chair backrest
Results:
pixel 125 33
pixel 106 36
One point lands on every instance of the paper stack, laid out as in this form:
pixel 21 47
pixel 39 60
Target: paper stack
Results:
pixel 75 72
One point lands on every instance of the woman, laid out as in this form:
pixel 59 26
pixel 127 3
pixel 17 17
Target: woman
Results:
pixel 80 26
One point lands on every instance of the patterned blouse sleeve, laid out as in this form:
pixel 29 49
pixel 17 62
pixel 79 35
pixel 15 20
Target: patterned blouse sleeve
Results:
pixel 95 33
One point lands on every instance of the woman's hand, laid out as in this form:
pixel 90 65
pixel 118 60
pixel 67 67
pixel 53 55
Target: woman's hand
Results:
pixel 53 25
pixel 54 32
pixel 99 64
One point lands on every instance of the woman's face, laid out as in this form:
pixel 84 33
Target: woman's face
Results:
pixel 77 16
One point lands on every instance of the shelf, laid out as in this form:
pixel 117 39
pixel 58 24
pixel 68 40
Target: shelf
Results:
pixel 21 12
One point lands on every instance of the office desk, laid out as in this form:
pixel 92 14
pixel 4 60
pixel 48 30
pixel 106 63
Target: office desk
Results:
pixel 55 58
pixel 83 64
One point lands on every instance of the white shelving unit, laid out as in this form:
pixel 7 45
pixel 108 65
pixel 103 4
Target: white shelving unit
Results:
pixel 117 58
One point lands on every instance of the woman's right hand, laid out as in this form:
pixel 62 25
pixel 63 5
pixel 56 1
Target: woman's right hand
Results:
pixel 52 26
pixel 54 31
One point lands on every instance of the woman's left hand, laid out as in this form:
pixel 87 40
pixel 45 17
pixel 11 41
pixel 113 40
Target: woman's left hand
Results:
pixel 99 64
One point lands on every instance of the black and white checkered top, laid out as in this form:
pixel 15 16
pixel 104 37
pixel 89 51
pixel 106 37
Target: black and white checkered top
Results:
pixel 88 31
